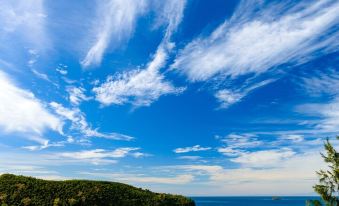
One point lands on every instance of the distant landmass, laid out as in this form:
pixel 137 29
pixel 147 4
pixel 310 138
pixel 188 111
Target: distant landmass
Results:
pixel 21 190
pixel 254 201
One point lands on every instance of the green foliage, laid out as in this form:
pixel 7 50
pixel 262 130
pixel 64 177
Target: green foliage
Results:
pixel 313 203
pixel 28 191
pixel 328 187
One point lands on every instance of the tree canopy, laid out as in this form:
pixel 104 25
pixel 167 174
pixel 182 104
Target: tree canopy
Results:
pixel 328 186
pixel 21 190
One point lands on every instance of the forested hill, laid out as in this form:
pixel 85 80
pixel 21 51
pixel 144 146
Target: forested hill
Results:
pixel 21 190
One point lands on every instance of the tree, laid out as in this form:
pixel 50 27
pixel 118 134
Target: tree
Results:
pixel 328 187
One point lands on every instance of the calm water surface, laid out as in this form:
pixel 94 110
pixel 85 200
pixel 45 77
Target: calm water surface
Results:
pixel 253 201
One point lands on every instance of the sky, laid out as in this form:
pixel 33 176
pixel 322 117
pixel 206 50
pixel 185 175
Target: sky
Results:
pixel 191 97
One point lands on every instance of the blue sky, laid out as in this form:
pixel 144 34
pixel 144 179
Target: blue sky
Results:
pixel 193 97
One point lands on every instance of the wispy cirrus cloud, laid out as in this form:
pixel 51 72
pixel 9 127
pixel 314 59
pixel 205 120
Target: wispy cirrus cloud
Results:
pixel 115 24
pixel 260 36
pixel 272 180
pixel 259 145
pixel 258 166
pixel 99 153
pixel 44 145
pixel 322 84
pixel 246 140
pixel 99 156
pixel 79 123
pixel 228 97
pixel 77 95
pixel 296 138
pixel 263 158
pixel 237 144
pixel 22 113
pixel 189 157
pixel 328 114
pixel 194 148
pixel 141 87
pixel 141 178
pixel 62 69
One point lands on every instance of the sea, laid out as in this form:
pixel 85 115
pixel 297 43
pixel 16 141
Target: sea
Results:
pixel 253 201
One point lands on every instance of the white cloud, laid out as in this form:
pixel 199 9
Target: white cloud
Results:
pixel 138 87
pixel 111 135
pixel 115 23
pixel 235 144
pixel 141 87
pixel 330 114
pixel 210 169
pixel 293 137
pixel 25 19
pixel 263 158
pixel 11 159
pixel 31 170
pixel 180 179
pixel 241 140
pixel 21 111
pixel 99 156
pixel 259 37
pixel 34 55
pixel 40 75
pixel 286 169
pixel 99 153
pixel 228 97
pixel 327 111
pixel 45 145
pixel 324 82
pixel 62 69
pixel 170 14
pixel 195 148
pixel 139 154
pixel 79 123
pixel 229 151
pixel 77 95
pixel 189 157
pixel 141 178
pixel 287 175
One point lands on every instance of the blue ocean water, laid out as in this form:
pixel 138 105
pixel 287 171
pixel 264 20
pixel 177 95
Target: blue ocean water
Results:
pixel 253 201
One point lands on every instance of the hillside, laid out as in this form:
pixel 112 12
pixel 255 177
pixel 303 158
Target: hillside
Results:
pixel 21 190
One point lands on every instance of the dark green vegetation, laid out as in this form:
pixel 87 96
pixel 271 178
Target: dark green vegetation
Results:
pixel 328 187
pixel 21 190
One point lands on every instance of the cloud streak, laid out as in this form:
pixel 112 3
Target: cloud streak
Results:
pixel 98 156
pixel 138 87
pixel 140 178
pixel 195 148
pixel 264 158
pixel 325 85
pixel 115 23
pixel 259 37
pixel 79 123
pixel 77 95
pixel 228 97
pixel 141 87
